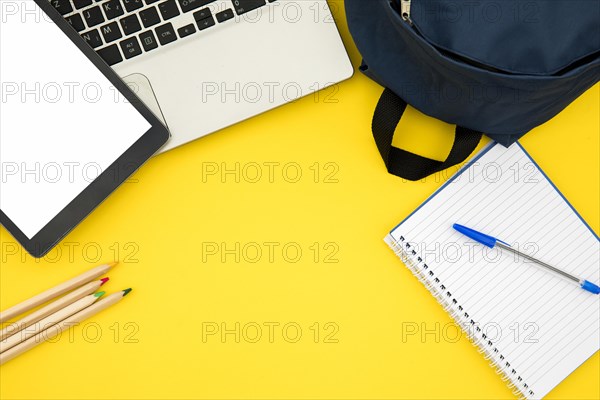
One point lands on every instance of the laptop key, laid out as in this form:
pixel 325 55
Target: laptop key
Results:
pixel 224 15
pixel 130 24
pixel 148 40
pixel 132 5
pixel 93 38
pixel 93 16
pixel 166 34
pixel 149 17
pixel 205 23
pixel 244 6
pixel 202 14
pixel 131 47
pixel 189 5
pixel 111 54
pixel 148 2
pixel 186 30
pixel 62 6
pixel 76 22
pixel 113 9
pixel 79 4
pixel 111 32
pixel 168 9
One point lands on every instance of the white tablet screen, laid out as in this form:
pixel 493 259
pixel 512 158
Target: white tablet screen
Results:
pixel 62 123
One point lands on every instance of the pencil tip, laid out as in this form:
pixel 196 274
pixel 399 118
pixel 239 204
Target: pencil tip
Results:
pixel 103 280
pixel 112 264
pixel 99 294
pixel 126 292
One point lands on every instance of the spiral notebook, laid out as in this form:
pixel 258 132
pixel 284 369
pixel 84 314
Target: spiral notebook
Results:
pixel 534 327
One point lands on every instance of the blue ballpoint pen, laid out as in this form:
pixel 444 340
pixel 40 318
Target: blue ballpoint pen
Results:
pixel 489 241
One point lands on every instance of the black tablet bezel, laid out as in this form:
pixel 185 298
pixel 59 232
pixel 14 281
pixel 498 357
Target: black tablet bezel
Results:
pixel 119 171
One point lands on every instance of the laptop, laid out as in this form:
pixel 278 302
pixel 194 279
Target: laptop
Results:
pixel 203 65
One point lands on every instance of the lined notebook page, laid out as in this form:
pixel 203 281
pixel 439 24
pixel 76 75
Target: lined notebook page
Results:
pixel 543 326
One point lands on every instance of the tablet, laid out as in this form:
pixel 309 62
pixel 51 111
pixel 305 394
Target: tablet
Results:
pixel 70 130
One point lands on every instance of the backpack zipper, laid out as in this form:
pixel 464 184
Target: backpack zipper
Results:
pixel 405 10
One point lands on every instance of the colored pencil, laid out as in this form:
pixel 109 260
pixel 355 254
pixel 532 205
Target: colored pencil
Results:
pixel 62 326
pixel 49 321
pixel 54 292
pixel 51 308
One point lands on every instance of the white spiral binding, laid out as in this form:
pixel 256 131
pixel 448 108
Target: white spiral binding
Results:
pixel 520 391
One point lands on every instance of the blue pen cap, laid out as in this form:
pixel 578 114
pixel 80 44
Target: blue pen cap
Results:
pixel 590 287
pixel 478 236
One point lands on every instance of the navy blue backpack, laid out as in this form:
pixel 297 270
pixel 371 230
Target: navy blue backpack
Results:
pixel 499 67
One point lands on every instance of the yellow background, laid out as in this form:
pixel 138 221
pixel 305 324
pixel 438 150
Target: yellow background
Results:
pixel 158 223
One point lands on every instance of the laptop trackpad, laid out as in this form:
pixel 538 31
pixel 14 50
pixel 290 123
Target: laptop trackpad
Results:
pixel 141 86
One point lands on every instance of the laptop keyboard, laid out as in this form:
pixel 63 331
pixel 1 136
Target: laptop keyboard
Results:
pixel 123 29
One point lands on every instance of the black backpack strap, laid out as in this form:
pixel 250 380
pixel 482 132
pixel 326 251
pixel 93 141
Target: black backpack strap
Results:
pixel 408 165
